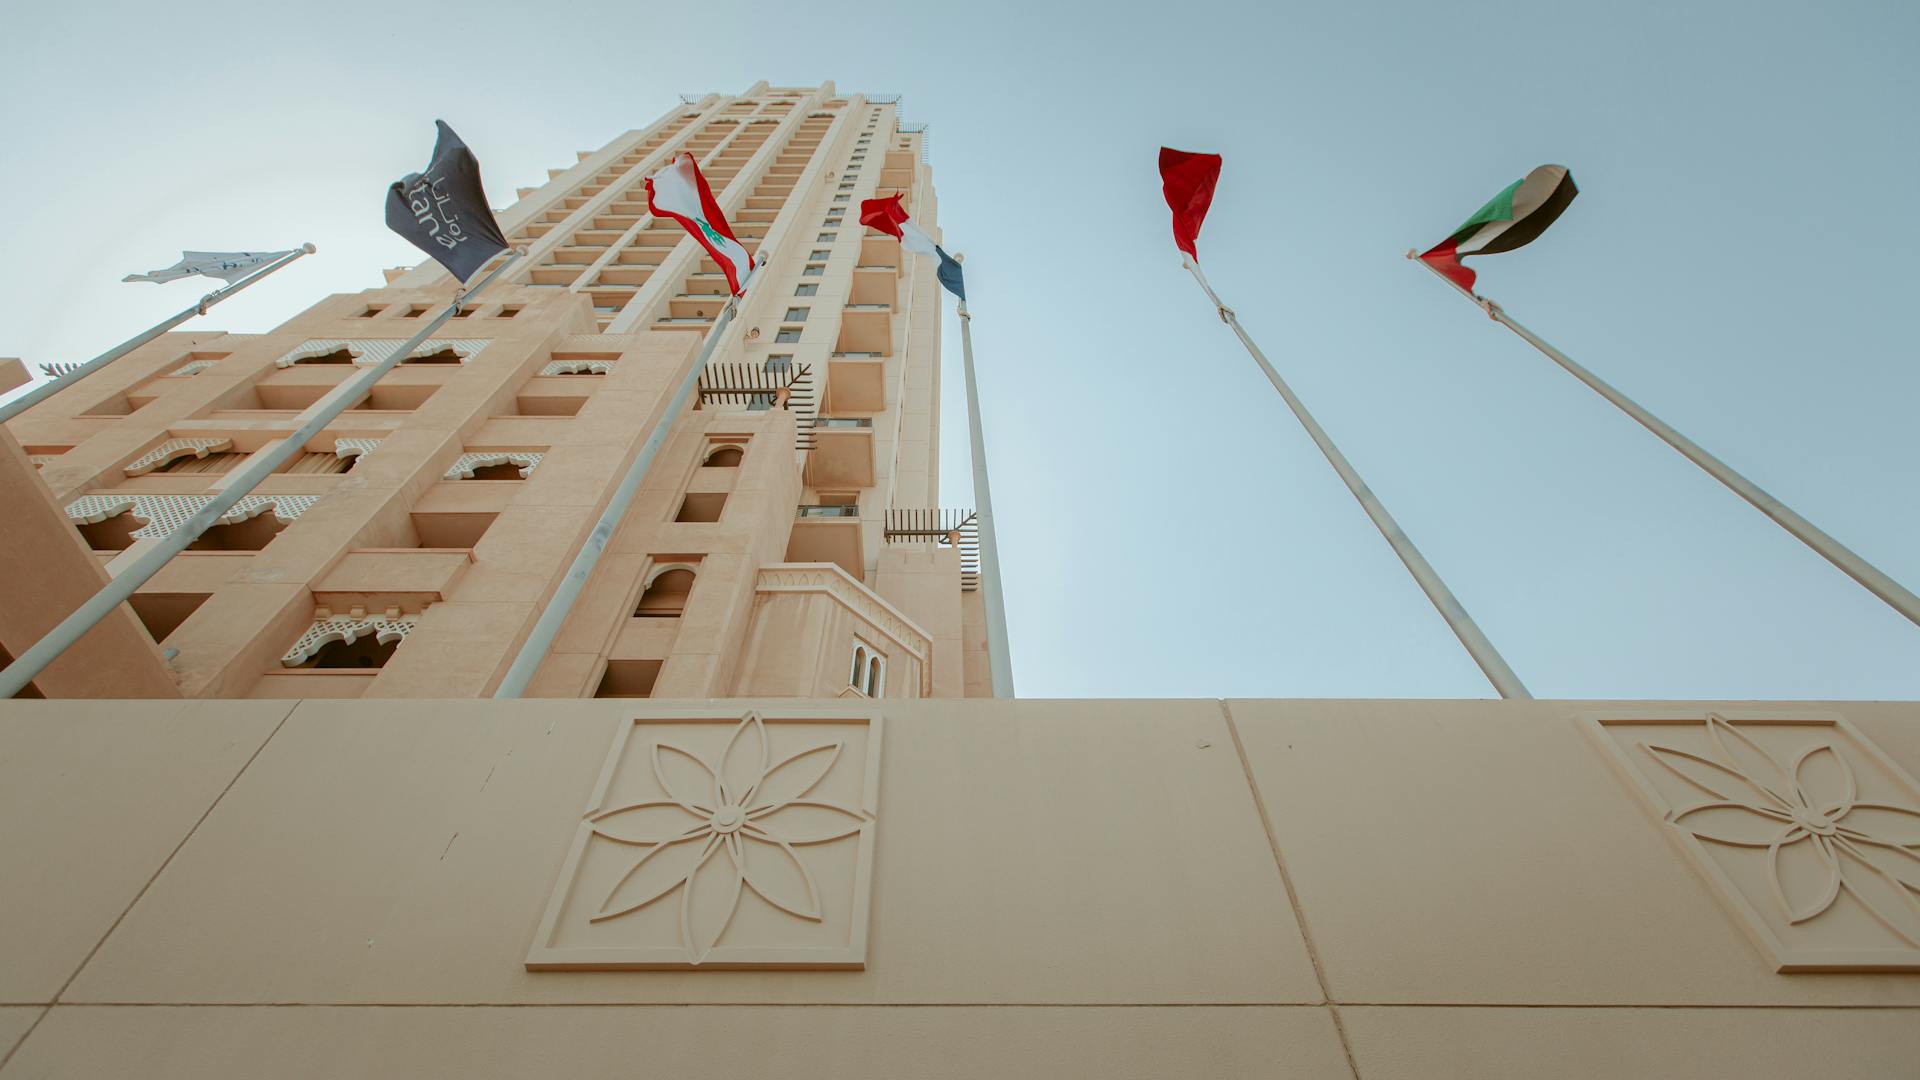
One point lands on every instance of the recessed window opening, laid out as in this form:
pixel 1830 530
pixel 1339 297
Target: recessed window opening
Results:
pixel 724 457
pixel 337 356
pixel 212 463
pixel 444 356
pixel 414 311
pixel 250 535
pixel 628 679
pixel 788 335
pixel 365 653
pixel 701 506
pixel 796 314
pixel 807 290
pixel 371 311
pixel 505 470
pixel 813 270
pixel 509 311
pixel 666 595
pixel 322 462
pixel 113 534
pixel 876 676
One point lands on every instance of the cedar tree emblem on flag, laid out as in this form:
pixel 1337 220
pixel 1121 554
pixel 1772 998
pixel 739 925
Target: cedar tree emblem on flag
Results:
pixel 1513 218
pixel 442 210
pixel 1188 181
pixel 890 217
pixel 681 193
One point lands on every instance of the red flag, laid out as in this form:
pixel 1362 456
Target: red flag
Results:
pixel 884 214
pixel 1188 180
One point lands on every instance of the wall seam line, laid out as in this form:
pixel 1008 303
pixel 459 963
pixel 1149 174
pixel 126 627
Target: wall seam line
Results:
pixel 155 876
pixel 1293 896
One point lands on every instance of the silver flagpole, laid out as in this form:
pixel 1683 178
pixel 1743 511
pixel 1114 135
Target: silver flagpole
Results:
pixel 999 659
pixel 1879 584
pixel 527 661
pixel 258 467
pixel 47 389
pixel 1484 654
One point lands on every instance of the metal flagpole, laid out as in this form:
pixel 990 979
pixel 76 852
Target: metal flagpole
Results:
pixel 1484 654
pixel 47 389
pixel 998 656
pixel 1879 584
pixel 554 614
pixel 258 468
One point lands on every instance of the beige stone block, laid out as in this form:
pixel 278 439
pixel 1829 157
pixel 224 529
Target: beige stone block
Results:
pixel 1407 1043
pixel 95 800
pixel 832 1043
pixel 404 851
pixel 1477 852
pixel 15 1022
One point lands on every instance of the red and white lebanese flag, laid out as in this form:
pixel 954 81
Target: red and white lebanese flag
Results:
pixel 681 193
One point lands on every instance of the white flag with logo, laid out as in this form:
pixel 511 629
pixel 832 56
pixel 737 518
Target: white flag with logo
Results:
pixel 228 266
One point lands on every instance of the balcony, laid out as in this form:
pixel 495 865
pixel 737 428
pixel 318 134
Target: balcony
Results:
pixel 879 252
pixel 866 328
pixel 828 534
pixel 842 455
pixel 856 382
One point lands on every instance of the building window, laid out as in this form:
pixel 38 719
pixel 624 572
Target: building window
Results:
pixel 666 595
pixel 806 290
pixel 841 198
pixel 796 314
pixel 868 674
pixel 414 311
pixel 779 364
pixel 827 237
pixel 819 254
pixel 508 311
pixel 759 402
pixel 846 187
pixel 372 310
pixel 701 506
pixel 814 270
pixel 788 335
pixel 724 457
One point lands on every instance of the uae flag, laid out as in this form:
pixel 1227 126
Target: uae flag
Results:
pixel 888 216
pixel 1513 218
pixel 1187 180
pixel 681 193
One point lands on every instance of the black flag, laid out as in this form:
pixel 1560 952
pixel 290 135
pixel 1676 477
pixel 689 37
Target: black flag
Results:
pixel 443 210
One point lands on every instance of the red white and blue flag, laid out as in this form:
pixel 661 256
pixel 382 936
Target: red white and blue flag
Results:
pixel 681 193
pixel 888 216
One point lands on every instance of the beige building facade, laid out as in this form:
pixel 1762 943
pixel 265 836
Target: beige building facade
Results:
pixel 806 842
pixel 789 531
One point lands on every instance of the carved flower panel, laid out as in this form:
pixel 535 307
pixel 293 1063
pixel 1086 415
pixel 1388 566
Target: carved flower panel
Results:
pixel 1806 830
pixel 730 842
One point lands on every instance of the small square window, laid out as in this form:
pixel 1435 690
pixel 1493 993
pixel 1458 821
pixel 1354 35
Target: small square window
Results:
pixel 796 314
pixel 827 237
pixel 788 335
pixel 509 311
pixel 372 310
pixel 779 363
pixel 818 254
pixel 846 187
pixel 813 271
pixel 840 198
pixel 414 311
pixel 806 290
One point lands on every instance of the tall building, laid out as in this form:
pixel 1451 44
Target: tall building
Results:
pixel 787 541
pixel 829 881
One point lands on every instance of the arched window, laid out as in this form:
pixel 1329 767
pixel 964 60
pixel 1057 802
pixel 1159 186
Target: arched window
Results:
pixel 666 594
pixel 876 676
pixel 859 666
pixel 724 457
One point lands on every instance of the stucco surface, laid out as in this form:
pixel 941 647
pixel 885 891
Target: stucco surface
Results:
pixel 829 1043
pixel 93 799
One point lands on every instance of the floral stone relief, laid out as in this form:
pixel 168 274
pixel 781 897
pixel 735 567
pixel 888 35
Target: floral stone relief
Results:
pixel 733 842
pixel 1809 833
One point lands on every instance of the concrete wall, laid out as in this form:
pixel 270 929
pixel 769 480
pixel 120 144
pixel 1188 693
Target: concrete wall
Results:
pixel 1057 888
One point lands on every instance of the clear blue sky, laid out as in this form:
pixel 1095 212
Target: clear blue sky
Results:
pixel 1742 259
